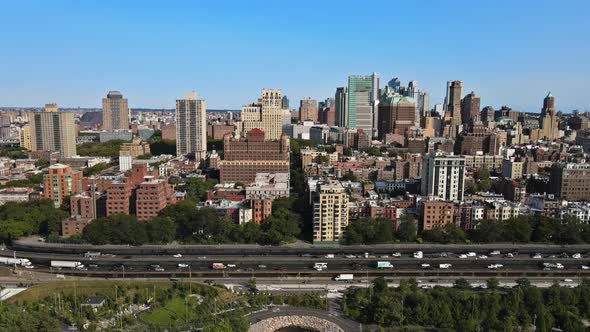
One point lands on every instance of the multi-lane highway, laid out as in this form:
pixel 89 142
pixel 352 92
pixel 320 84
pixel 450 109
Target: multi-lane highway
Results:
pixel 512 261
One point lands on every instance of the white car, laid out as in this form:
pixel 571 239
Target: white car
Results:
pixel 568 280
pixel 509 255
pixel 350 256
pixel 482 256
pixel 577 255
pixel 585 267
pixel 329 256
pixel 495 266
pixel 384 256
pixel 462 256
pixel 177 256
pixel 537 256
pixel 182 265
pixel 495 253
pixel 29 267
pixel 425 266
pixel 396 254
pixel 231 265
pixel 418 254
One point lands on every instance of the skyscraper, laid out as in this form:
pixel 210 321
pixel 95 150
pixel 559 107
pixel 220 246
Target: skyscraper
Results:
pixel 360 102
pixel 265 114
pixel 308 109
pixel 452 117
pixel 396 113
pixel 285 103
pixel 470 107
pixel 53 131
pixel 341 105
pixel 548 120
pixel 191 126
pixel 115 111
pixel 443 177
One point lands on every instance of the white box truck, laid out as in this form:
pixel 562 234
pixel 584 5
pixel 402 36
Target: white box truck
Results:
pixel 67 264
pixel 384 265
pixel 418 254
pixel 344 277
pixel 18 261
pixel 444 266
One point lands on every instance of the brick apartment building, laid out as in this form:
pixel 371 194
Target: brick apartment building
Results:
pixel 243 158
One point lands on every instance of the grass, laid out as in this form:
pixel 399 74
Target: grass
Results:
pixel 85 288
pixel 173 312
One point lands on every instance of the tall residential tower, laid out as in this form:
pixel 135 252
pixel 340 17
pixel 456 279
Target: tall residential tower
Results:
pixel 115 111
pixel 191 126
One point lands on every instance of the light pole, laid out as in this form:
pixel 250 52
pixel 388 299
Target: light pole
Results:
pixel 190 280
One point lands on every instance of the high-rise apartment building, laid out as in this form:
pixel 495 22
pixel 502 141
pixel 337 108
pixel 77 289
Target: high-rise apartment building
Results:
pixel 265 114
pixel 53 131
pixel 191 126
pixel 308 109
pixel 470 107
pixel 61 181
pixel 115 111
pixel 341 106
pixel 330 211
pixel 327 112
pixel 443 177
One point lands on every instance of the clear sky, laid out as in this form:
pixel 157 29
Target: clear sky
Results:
pixel 508 52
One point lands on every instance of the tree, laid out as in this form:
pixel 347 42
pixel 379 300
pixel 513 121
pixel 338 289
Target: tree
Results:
pixel 347 152
pixel 162 146
pixel 161 230
pixel 349 176
pixel 492 283
pixel 42 162
pixel 482 180
pixel 462 284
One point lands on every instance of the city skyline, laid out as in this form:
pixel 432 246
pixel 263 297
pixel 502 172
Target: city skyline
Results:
pixel 545 49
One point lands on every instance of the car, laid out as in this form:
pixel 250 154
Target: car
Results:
pixel 444 254
pixel 29 267
pixel 94 266
pixel 462 256
pixel 364 281
pixel 482 256
pixel 202 257
pixel 585 267
pixel 231 265
pixel 537 256
pixel 350 256
pixel 366 255
pixel 577 255
pixel 546 269
pixel 495 266
pixel 568 280
pixel 177 255
pixel 383 256
pixel 509 255
pixel 425 287
pixel 495 253
pixel 261 266
pixel 425 266
pixel 306 255
pixel 159 269
pixel 182 265
pixel 563 255
pixel 396 254
pixel 329 256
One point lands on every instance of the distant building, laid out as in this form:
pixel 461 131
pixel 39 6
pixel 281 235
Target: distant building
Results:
pixel 169 131
pixel 470 105
pixel 191 126
pixel 115 111
pixel 397 113
pixel 265 114
pixel 308 109
pixel 53 131
pixel 152 196
pixel 362 102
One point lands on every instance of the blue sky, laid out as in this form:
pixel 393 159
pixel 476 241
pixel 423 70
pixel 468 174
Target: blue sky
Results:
pixel 508 52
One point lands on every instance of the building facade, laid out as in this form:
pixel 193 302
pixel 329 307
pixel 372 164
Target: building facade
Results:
pixel 61 181
pixel 330 212
pixel 191 126
pixel 443 177
pixel 115 111
pixel 53 131
pixel 265 114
